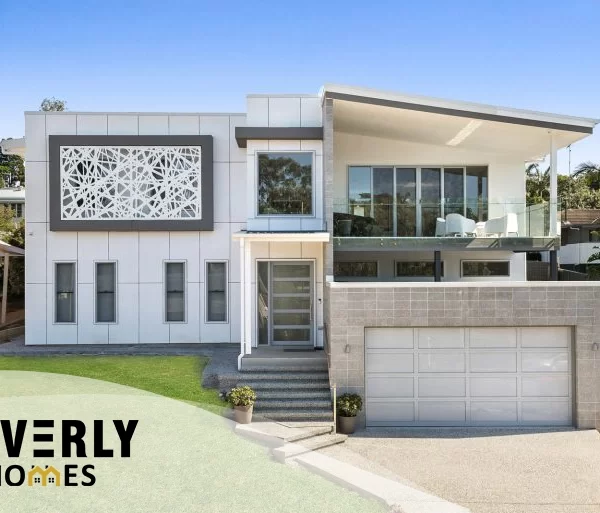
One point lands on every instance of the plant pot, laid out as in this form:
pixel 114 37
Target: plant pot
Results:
pixel 347 425
pixel 344 227
pixel 243 414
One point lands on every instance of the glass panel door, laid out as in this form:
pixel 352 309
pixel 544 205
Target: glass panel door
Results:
pixel 406 202
pixel 454 191
pixel 431 193
pixel 291 320
pixel 383 200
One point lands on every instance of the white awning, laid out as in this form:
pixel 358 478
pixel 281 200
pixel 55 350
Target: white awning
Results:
pixel 282 236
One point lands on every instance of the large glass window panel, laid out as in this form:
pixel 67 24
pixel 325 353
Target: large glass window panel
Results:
pixel 291 287
pixel 285 183
pixel 430 199
pixel 65 292
pixel 291 335
pixel 454 191
pixel 106 284
pixel 473 268
pixel 406 202
pixel 359 191
pixel 416 269
pixel 355 269
pixel 383 200
pixel 175 292
pixel 262 309
pixel 477 193
pixel 216 292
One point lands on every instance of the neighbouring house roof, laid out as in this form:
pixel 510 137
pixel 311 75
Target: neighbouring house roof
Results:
pixel 6 248
pixel 13 146
pixel 580 216
pixel 14 195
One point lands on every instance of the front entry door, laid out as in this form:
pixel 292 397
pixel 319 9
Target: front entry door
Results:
pixel 287 305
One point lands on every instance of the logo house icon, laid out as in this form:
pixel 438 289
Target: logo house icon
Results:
pixel 43 476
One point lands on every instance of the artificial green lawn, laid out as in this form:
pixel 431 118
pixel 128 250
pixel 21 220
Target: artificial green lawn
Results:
pixel 178 377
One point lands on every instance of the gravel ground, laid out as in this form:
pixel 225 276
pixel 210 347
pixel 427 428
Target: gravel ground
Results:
pixel 487 471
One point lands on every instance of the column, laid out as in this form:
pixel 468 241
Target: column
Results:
pixel 553 187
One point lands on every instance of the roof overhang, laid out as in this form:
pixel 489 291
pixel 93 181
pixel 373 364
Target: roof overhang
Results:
pixel 7 249
pixel 282 236
pixel 245 133
pixel 452 123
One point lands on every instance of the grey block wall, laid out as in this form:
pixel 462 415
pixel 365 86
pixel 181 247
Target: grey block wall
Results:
pixel 351 309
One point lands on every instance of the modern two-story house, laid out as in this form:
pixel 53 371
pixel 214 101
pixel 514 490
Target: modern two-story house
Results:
pixel 390 230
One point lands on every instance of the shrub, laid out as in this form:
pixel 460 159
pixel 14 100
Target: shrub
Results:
pixel 348 405
pixel 241 396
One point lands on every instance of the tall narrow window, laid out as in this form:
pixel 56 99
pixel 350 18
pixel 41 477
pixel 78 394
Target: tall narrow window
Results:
pixel 65 292
pixel 175 291
pixel 106 286
pixel 216 292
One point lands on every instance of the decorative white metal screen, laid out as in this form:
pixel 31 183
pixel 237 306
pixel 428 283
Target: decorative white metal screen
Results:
pixel 130 182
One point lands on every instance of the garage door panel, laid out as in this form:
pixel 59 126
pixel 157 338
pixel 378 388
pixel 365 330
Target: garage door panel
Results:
pixel 493 337
pixel 389 412
pixel 468 376
pixel 546 412
pixel 442 362
pixel 493 387
pixel 545 337
pixel 390 386
pixel 545 361
pixel 390 362
pixel 545 386
pixel 442 387
pixel 430 338
pixel 487 361
pixel 442 411
pixel 491 412
pixel 390 338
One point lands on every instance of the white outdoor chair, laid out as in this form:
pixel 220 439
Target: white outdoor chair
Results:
pixel 502 226
pixel 459 226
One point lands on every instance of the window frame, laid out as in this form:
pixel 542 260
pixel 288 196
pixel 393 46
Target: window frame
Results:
pixel 376 262
pixel 116 292
pixel 185 292
pixel 312 181
pixel 397 277
pixel 491 276
pixel 55 292
pixel 226 263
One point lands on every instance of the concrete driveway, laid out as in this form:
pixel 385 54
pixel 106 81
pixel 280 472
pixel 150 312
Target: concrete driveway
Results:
pixel 487 471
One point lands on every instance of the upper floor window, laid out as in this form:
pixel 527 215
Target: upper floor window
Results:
pixel 285 183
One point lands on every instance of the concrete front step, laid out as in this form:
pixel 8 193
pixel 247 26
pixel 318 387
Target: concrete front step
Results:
pixel 267 384
pixel 310 414
pixel 301 393
pixel 291 404
pixel 307 445
pixel 289 364
pixel 287 376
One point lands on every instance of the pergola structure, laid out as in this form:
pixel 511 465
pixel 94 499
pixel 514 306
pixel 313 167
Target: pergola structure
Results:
pixel 7 251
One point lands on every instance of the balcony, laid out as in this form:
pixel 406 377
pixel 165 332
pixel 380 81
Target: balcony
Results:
pixel 470 224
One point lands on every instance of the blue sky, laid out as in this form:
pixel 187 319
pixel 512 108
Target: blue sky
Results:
pixel 206 55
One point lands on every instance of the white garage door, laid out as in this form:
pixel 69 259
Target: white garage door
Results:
pixel 468 376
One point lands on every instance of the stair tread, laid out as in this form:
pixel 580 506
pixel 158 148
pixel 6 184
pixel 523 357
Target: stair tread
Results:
pixel 295 403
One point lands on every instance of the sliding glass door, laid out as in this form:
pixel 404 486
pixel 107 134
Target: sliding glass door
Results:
pixel 406 201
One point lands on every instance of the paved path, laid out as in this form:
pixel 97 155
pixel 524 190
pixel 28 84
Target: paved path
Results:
pixel 487 471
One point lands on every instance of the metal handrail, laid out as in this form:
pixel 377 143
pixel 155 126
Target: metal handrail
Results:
pixel 332 385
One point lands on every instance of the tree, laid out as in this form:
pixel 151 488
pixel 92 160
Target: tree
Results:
pixel 537 184
pixel 12 166
pixel 590 172
pixel 53 105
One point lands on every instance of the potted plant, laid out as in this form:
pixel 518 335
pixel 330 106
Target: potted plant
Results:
pixel 242 401
pixel 348 406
